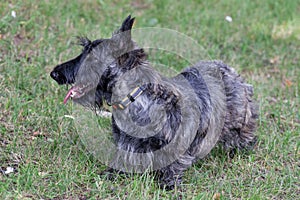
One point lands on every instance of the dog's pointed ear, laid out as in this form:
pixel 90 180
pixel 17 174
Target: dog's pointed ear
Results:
pixel 127 24
pixel 121 39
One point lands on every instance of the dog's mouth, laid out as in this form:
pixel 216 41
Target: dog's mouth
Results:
pixel 76 92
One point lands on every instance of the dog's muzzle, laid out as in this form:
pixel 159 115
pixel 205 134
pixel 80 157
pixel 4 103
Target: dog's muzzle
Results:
pixel 58 77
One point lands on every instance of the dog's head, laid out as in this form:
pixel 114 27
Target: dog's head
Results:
pixel 89 72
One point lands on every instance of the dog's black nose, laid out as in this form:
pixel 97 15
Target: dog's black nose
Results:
pixel 58 77
pixel 54 75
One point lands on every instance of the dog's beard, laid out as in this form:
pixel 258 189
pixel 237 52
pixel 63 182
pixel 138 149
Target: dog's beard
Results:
pixel 77 91
pixel 84 96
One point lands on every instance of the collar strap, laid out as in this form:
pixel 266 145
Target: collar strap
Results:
pixel 131 97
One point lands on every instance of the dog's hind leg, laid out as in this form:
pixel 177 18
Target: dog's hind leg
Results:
pixel 242 112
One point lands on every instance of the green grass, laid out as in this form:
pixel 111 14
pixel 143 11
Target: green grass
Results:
pixel 262 43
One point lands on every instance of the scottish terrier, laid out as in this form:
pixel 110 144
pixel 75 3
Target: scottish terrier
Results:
pixel 175 121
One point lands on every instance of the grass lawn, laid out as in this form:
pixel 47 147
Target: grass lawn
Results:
pixel 42 146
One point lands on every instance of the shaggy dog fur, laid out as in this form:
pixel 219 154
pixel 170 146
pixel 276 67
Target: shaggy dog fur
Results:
pixel 98 72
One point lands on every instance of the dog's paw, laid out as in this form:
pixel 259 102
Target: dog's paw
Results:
pixel 166 187
pixel 109 174
pixel 112 174
pixel 169 183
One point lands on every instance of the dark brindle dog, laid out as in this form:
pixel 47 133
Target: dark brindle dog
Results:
pixel 208 101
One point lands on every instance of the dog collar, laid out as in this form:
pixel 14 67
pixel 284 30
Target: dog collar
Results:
pixel 131 97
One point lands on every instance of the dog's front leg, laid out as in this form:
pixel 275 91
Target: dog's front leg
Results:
pixel 171 176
